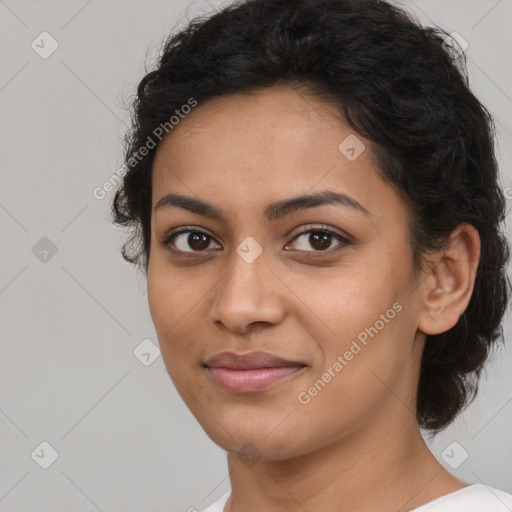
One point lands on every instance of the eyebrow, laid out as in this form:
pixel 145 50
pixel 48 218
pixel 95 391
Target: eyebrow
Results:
pixel 273 211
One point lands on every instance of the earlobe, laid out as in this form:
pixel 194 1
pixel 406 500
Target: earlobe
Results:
pixel 447 290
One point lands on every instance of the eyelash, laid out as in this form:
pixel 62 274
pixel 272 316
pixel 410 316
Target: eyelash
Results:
pixel 319 229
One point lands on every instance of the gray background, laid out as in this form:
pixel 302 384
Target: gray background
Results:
pixel 70 324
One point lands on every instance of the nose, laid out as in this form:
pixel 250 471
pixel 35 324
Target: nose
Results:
pixel 249 294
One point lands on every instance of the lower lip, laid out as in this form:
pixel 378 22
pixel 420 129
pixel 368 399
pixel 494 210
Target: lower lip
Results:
pixel 244 381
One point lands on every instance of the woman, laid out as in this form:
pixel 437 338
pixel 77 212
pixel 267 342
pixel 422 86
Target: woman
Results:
pixel 314 199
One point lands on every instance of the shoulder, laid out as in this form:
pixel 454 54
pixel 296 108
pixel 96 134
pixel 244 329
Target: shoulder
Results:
pixel 473 498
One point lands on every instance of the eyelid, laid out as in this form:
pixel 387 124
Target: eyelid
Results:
pixel 344 240
pixel 185 229
pixel 323 228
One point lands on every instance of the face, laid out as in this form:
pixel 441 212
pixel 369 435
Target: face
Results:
pixel 341 300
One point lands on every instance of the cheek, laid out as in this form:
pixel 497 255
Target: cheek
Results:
pixel 362 318
pixel 173 303
pixel 162 299
pixel 172 292
pixel 349 303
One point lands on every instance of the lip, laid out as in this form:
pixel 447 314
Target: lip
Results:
pixel 248 361
pixel 249 372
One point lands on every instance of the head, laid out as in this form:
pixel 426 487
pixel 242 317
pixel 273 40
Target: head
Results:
pixel 358 107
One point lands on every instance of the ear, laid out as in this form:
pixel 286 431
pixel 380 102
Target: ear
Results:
pixel 447 290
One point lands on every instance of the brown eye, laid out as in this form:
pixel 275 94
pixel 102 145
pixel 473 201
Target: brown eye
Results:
pixel 189 241
pixel 320 239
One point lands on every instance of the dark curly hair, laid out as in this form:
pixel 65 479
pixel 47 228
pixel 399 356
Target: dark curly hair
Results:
pixel 398 84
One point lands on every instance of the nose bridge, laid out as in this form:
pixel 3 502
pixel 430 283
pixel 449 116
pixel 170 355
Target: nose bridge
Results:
pixel 246 294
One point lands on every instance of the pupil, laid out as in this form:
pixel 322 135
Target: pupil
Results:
pixel 320 244
pixel 194 244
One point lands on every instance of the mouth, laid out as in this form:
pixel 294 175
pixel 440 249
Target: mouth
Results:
pixel 250 372
pixel 246 381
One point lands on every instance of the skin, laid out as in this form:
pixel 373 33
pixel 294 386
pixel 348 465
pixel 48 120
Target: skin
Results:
pixel 356 442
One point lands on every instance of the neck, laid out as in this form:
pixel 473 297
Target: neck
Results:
pixel 358 473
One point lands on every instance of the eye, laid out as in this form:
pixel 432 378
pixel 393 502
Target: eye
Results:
pixel 185 238
pixel 320 238
pixel 188 240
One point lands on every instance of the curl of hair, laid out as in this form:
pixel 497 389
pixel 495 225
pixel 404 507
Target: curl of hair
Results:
pixel 397 84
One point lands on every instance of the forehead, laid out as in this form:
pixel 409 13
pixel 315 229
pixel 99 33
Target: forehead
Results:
pixel 263 146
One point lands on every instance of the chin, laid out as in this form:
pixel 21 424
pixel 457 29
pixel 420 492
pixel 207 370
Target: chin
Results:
pixel 245 440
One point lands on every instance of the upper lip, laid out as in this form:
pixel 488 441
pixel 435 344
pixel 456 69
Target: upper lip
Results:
pixel 248 361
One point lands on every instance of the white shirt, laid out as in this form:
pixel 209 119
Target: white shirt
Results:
pixel 473 498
